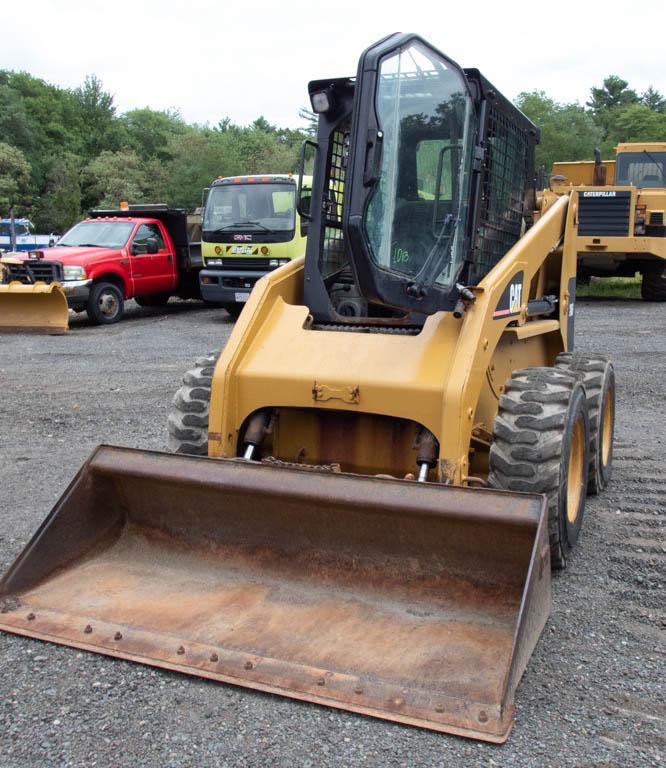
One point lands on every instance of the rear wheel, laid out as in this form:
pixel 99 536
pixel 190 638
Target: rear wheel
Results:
pixel 188 418
pixel 153 300
pixel 653 287
pixel 541 445
pixel 597 374
pixel 105 304
pixel 234 309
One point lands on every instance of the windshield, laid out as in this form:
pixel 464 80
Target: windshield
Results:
pixel 105 234
pixel 642 169
pixel 20 229
pixel 415 219
pixel 251 207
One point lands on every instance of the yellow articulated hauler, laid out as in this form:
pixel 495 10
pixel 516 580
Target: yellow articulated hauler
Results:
pixel 621 207
pixel 250 227
pixel 382 493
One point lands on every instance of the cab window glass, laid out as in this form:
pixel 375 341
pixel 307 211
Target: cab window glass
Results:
pixel 642 169
pixel 146 232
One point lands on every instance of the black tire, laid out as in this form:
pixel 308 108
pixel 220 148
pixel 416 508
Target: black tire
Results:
pixel 188 418
pixel 540 445
pixel 653 286
pixel 153 300
pixel 597 374
pixel 105 304
pixel 234 309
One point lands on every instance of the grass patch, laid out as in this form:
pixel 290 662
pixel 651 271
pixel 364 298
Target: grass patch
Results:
pixel 611 288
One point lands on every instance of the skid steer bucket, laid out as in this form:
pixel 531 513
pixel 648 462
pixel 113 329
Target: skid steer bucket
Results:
pixel 408 601
pixel 35 308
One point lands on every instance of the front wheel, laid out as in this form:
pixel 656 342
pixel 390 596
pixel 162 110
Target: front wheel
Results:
pixel 541 439
pixel 105 304
pixel 234 309
pixel 188 417
pixel 653 287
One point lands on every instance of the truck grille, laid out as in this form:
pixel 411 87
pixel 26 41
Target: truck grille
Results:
pixel 604 213
pixel 238 262
pixel 33 270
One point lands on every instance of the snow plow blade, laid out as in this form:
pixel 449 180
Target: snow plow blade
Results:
pixel 413 602
pixel 35 308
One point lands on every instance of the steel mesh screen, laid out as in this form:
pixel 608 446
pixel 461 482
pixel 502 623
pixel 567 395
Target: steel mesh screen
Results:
pixel 503 186
pixel 333 256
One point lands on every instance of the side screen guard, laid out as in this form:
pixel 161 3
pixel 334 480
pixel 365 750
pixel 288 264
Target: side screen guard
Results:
pixel 411 139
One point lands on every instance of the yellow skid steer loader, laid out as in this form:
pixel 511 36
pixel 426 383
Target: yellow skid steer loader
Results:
pixel 382 490
pixel 36 307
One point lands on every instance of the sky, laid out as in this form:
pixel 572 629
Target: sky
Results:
pixel 242 59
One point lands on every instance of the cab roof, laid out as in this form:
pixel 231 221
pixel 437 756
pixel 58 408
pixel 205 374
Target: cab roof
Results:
pixel 258 178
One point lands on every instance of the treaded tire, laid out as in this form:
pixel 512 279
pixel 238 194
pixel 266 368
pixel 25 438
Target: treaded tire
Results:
pixel 234 308
pixel 153 299
pixel 188 417
pixel 598 376
pixel 653 286
pixel 531 449
pixel 105 304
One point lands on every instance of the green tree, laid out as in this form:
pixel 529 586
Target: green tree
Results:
pixel 60 205
pixel 114 176
pixel 97 112
pixel 635 123
pixel 568 131
pixel 16 127
pixel 653 100
pixel 14 179
pixel 614 93
pixel 149 131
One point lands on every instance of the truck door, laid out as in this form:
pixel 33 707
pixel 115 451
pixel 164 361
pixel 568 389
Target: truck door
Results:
pixel 153 272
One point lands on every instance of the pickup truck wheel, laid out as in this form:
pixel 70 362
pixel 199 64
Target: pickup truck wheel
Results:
pixel 153 300
pixel 105 304
pixel 541 442
pixel 188 418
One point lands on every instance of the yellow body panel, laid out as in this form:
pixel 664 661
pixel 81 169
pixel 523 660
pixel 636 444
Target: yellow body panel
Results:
pixel 448 378
pixel 578 173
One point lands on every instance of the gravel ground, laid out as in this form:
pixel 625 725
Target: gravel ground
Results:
pixel 593 694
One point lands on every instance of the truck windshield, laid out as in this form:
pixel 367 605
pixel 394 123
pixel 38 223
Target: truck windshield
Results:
pixel 642 169
pixel 415 220
pixel 20 229
pixel 251 207
pixel 104 234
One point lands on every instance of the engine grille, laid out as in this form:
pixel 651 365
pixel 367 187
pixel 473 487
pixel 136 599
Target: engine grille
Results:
pixel 604 214
pixel 34 270
pixel 238 262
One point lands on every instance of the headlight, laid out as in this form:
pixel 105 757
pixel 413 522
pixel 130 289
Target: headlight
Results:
pixel 73 273
pixel 214 262
pixel 273 263
pixel 283 261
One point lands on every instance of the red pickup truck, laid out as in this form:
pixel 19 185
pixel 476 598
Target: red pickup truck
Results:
pixel 141 252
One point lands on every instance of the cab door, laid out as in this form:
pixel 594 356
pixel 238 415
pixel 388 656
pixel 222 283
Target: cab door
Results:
pixel 153 261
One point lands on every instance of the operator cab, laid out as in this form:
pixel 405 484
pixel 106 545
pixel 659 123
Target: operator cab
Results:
pixel 422 173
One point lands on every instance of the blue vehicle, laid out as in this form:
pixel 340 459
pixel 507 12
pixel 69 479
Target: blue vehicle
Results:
pixel 26 239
